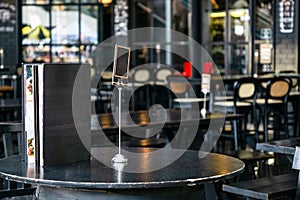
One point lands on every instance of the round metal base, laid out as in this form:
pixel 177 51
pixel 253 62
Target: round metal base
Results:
pixel 119 158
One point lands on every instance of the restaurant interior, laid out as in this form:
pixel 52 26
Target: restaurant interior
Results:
pixel 215 81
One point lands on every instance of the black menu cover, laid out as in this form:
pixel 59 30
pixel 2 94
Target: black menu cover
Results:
pixel 57 139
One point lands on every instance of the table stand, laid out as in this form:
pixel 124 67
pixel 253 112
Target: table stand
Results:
pixel 119 158
pixel 203 110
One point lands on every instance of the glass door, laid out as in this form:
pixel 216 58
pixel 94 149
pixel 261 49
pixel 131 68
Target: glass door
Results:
pixel 264 53
pixel 227 39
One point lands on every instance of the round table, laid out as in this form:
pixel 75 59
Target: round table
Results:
pixel 91 179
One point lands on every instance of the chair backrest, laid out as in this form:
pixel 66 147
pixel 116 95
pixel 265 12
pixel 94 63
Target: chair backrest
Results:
pixel 278 88
pixel 178 85
pixel 11 137
pixel 161 74
pixel 294 80
pixel 142 75
pixel 106 76
pixel 245 89
pixel 8 86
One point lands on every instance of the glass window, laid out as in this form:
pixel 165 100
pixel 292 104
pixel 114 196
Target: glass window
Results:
pixel 35 1
pixel 65 54
pixel 66 27
pixel 93 1
pixel 36 53
pixel 36 27
pixel 89 24
pixel 63 31
pixel 170 14
pixel 264 37
pixel 181 19
pixel 227 39
pixel 64 1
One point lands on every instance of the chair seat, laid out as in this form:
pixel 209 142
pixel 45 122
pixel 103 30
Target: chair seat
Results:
pixel 223 98
pixel 270 101
pixel 146 142
pixel 231 104
pixel 250 156
pixel 190 100
pixel 294 93
pixel 6 88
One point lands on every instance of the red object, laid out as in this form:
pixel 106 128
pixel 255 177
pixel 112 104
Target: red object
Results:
pixel 208 68
pixel 187 69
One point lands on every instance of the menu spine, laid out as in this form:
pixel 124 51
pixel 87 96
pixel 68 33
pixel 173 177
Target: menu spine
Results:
pixel 29 117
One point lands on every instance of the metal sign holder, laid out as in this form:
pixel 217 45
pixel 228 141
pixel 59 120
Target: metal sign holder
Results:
pixel 119 79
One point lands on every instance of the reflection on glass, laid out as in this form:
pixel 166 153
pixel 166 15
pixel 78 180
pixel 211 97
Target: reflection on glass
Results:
pixel 65 54
pixel 66 24
pixel 182 16
pixel 36 53
pixel 240 30
pixel 229 35
pixel 218 56
pixel 264 36
pixel 35 25
pixel 264 20
pixel 89 24
pixel 35 1
pixel 65 1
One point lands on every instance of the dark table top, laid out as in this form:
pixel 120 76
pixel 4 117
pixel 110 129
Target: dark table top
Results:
pixel 230 79
pixel 11 126
pixel 173 121
pixel 286 146
pixel 190 169
pixel 171 117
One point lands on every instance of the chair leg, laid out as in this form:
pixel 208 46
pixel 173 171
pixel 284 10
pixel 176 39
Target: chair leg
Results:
pixel 286 123
pixel 266 121
pixel 235 135
pixel 8 146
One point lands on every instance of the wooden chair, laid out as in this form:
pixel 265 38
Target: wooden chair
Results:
pixel 6 91
pixel 160 82
pixel 182 95
pixel 293 116
pixel 104 93
pixel 8 86
pixel 161 74
pixel 244 94
pixel 12 143
pixel 10 109
pixel 273 106
pixel 141 79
